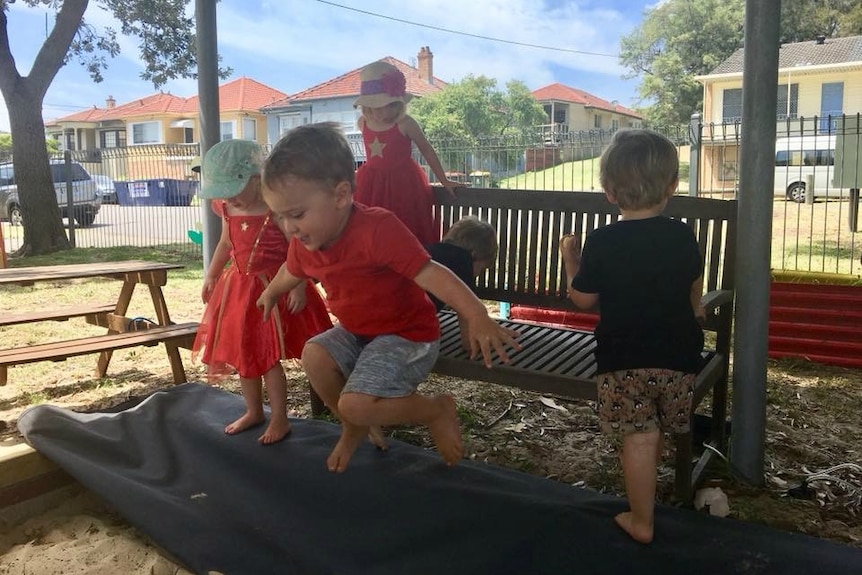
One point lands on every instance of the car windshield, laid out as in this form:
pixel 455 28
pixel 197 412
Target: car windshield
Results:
pixel 58 171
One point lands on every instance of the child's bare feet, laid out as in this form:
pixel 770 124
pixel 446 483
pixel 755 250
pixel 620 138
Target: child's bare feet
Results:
pixel 375 435
pixel 446 430
pixel 277 430
pixel 248 420
pixel 640 532
pixel 351 437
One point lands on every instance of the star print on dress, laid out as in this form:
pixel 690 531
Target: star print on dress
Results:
pixel 377 148
pixel 243 226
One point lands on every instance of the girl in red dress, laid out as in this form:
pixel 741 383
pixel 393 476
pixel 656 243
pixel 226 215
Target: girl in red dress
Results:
pixel 390 178
pixel 233 337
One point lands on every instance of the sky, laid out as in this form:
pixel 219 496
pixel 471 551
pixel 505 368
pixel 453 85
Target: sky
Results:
pixel 292 45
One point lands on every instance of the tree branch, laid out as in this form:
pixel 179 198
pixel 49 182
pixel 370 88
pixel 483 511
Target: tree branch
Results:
pixel 8 72
pixel 52 55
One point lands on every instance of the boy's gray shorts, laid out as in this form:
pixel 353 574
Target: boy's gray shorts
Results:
pixel 385 366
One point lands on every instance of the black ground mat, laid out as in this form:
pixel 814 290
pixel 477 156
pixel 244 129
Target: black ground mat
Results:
pixel 227 504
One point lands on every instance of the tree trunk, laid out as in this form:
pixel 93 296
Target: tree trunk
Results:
pixel 43 228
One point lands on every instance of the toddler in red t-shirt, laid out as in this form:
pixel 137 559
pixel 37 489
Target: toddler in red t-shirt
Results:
pixel 375 274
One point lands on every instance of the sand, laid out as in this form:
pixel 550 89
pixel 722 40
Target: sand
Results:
pixel 78 535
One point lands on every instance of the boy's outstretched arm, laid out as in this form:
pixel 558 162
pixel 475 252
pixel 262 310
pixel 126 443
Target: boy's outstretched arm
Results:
pixel 282 283
pixel 484 333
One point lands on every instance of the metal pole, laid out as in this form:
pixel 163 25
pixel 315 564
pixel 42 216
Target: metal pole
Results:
pixel 208 118
pixel 694 137
pixel 70 196
pixel 756 177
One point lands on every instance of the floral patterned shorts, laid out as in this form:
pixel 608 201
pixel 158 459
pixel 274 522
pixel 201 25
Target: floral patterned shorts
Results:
pixel 642 400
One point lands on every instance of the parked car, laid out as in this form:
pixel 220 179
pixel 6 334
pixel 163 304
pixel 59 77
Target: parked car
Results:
pixel 106 187
pixel 85 196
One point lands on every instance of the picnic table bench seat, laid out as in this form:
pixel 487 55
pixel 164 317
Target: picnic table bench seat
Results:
pixel 177 335
pixel 88 311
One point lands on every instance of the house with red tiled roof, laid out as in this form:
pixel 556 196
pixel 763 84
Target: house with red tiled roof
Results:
pixel 164 118
pixel 573 110
pixel 104 139
pixel 332 100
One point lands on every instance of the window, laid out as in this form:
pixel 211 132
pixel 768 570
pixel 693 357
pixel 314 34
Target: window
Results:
pixel 597 121
pixel 347 120
pixel 787 105
pixel 188 135
pixel 227 131
pixel 831 106
pixel 112 139
pixel 249 129
pixel 146 133
pixel 731 105
pixel 804 158
pixel 289 121
pixel 6 175
pixel 615 125
pixel 67 141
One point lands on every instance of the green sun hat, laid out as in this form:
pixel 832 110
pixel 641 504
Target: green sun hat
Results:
pixel 227 166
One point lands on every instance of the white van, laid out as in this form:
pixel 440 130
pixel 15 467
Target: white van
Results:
pixel 796 158
pixel 87 199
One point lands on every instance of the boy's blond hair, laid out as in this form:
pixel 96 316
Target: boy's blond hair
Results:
pixel 638 168
pixel 313 152
pixel 474 235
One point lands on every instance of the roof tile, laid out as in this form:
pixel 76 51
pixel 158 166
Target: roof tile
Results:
pixel 809 53
pixel 348 84
pixel 563 93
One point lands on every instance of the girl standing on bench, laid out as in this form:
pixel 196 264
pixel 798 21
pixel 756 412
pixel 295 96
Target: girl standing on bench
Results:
pixel 233 336
pixel 390 178
pixel 645 274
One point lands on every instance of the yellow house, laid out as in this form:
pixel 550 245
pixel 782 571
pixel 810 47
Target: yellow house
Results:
pixel 573 110
pixel 818 82
pixel 119 140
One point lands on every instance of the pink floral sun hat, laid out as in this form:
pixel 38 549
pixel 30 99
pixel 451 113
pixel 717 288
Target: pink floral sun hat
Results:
pixel 382 84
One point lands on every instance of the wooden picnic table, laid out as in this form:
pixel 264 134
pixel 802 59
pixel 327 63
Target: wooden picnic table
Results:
pixel 122 331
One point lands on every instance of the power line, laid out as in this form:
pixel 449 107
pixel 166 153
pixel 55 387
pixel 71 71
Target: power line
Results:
pixel 479 36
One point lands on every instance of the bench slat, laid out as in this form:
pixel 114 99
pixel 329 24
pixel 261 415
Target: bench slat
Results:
pixel 55 351
pixel 61 314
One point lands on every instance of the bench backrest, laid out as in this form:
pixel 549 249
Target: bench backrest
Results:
pixel 529 223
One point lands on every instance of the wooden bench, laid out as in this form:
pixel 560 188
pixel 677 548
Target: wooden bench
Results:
pixel 90 312
pixel 558 360
pixel 173 336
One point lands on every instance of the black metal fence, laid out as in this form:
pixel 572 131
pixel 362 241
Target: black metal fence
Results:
pixel 149 194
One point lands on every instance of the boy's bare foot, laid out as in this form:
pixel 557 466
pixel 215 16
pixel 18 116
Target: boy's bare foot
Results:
pixel 375 435
pixel 275 432
pixel 248 420
pixel 348 442
pixel 637 531
pixel 446 430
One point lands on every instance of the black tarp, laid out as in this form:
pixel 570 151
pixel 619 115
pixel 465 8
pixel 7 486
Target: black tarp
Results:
pixel 227 504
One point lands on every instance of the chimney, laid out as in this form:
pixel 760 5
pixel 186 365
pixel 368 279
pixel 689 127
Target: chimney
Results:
pixel 820 39
pixel 110 102
pixel 426 64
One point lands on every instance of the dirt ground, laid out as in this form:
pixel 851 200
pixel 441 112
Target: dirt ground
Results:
pixel 812 413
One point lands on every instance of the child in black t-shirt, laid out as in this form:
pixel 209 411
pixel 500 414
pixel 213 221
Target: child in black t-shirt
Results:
pixel 645 274
pixel 468 249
